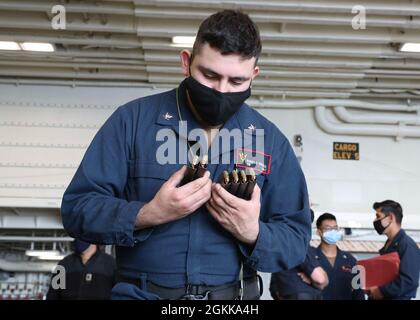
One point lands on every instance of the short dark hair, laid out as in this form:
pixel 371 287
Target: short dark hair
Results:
pixel 389 206
pixel 323 217
pixel 230 32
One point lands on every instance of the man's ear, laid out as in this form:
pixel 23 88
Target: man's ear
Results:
pixel 185 62
pixel 393 219
pixel 256 72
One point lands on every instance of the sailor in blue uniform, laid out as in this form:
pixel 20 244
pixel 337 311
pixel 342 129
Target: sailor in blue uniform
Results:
pixel 388 220
pixel 337 264
pixel 195 241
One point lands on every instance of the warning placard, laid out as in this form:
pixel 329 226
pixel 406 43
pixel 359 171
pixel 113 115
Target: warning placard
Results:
pixel 346 151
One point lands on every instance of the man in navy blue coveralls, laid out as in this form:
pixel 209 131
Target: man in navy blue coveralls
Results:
pixel 192 241
pixel 338 264
pixel 388 220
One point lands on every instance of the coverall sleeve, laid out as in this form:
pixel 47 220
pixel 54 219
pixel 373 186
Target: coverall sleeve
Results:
pixel 94 208
pixel 53 294
pixel 408 278
pixel 310 263
pixel 285 224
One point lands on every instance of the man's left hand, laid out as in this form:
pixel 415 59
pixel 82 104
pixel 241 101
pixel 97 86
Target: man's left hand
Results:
pixel 239 217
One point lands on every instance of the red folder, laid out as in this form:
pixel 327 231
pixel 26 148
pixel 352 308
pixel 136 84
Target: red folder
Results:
pixel 380 270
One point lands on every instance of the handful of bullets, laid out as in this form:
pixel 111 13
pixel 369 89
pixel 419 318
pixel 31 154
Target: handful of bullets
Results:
pixel 195 170
pixel 239 183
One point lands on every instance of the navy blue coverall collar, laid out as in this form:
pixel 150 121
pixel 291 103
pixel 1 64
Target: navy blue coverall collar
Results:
pixel 394 243
pixel 168 116
pixel 338 263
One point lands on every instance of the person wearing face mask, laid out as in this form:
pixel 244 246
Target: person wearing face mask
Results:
pixel 89 274
pixel 337 264
pixel 194 240
pixel 388 220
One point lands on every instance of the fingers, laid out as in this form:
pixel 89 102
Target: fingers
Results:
pixel 223 197
pixel 196 185
pixel 198 198
pixel 256 193
pixel 304 277
pixel 214 212
pixel 219 206
pixel 192 195
pixel 177 177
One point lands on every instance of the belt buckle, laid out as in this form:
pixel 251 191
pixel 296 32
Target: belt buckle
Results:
pixel 204 296
pixel 190 296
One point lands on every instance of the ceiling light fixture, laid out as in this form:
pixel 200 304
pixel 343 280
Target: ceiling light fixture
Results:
pixel 9 45
pixel 183 41
pixel 410 47
pixel 37 46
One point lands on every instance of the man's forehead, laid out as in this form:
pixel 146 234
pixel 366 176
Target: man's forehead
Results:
pixel 229 65
pixel 329 223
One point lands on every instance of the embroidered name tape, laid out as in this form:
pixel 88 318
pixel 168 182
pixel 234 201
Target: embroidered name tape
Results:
pixel 257 160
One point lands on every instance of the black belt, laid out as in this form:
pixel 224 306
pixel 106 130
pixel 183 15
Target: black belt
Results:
pixel 302 296
pixel 252 290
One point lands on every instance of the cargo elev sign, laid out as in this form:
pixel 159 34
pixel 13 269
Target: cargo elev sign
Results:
pixel 346 151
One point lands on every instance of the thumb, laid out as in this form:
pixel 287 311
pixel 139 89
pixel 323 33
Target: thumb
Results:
pixel 177 177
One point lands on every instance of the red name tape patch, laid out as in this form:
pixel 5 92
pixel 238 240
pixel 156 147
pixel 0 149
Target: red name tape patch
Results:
pixel 257 160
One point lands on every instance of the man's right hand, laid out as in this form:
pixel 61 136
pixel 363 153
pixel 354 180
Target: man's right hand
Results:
pixel 304 278
pixel 173 203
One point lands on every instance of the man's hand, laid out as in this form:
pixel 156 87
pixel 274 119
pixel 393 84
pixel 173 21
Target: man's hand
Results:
pixel 374 293
pixel 239 217
pixel 304 278
pixel 172 203
pixel 319 278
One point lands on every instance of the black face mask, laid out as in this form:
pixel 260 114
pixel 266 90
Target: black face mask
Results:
pixel 80 246
pixel 377 224
pixel 214 107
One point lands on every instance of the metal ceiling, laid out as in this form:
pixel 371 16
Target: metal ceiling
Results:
pixel 310 49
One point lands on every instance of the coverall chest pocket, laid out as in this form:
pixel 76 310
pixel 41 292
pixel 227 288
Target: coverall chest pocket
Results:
pixel 147 178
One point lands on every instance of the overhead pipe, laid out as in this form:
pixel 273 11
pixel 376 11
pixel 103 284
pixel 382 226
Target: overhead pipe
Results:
pixel 397 131
pixel 111 41
pixel 264 17
pixel 329 97
pixel 81 83
pixel 155 28
pixel 82 74
pixel 375 118
pixel 18 20
pixel 120 25
pixel 93 83
pixel 329 7
pixel 91 8
pixel 310 103
pixel 100 64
